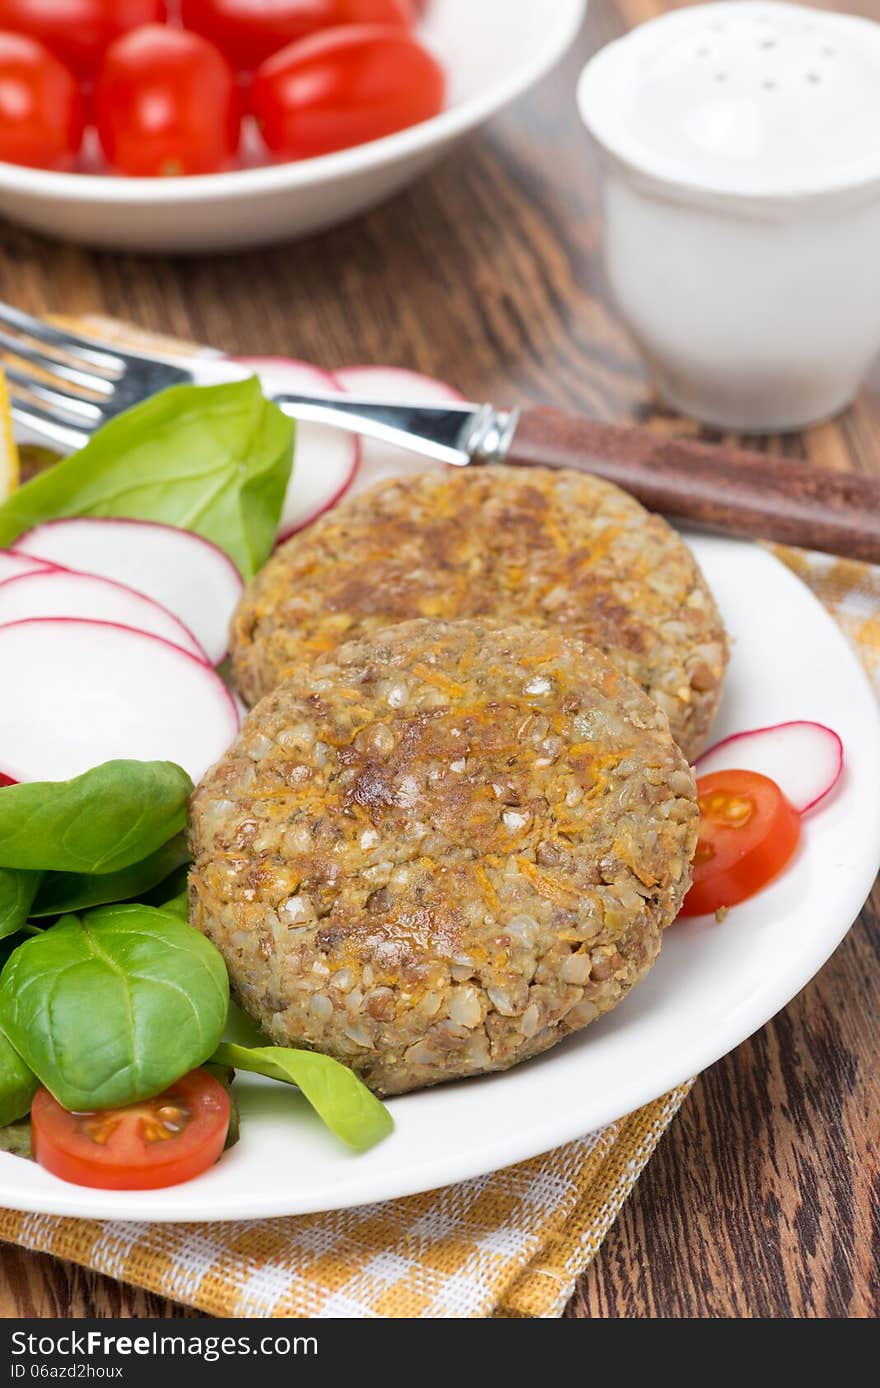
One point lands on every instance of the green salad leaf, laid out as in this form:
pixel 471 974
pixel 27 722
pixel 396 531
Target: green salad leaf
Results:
pixel 334 1092
pixel 106 819
pixel 213 459
pixel 18 1084
pixel 63 892
pixel 17 892
pixel 114 1006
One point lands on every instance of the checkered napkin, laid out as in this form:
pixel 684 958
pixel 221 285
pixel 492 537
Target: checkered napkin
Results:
pixel 508 1244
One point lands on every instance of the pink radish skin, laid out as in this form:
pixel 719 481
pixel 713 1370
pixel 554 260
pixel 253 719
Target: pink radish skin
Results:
pixel 326 460
pixel 804 759
pixel 383 460
pixel 67 593
pixel 81 693
pixel 14 565
pixel 179 570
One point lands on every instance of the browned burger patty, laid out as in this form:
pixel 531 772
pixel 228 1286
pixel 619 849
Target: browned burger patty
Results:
pixel 442 849
pixel 508 545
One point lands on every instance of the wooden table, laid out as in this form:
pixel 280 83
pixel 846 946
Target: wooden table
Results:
pixel 759 1200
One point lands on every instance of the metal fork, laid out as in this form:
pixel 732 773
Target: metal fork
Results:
pixel 64 386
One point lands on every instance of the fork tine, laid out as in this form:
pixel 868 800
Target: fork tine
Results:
pixel 72 406
pixel 52 366
pixel 48 427
pixel 82 347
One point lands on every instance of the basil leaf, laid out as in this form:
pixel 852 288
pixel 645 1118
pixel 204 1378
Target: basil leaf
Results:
pixel 213 459
pixel 63 892
pixel 17 892
pixel 114 1006
pixel 108 818
pixel 17 1084
pixel 172 895
pixel 334 1092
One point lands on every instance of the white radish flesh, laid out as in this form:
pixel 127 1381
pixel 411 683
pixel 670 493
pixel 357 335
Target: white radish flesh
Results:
pixel 65 593
pixel 804 759
pixel 380 460
pixel 179 570
pixel 77 693
pixel 325 461
pixel 14 565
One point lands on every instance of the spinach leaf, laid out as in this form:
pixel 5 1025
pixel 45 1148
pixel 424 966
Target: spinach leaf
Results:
pixel 334 1092
pixel 213 459
pixel 17 892
pixel 114 1006
pixel 112 816
pixel 17 1084
pixel 63 892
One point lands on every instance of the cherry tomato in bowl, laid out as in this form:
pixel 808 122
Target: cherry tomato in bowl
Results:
pixel 344 87
pixel 157 1142
pixel 748 833
pixel 42 113
pixel 166 103
pixel 249 31
pixel 79 31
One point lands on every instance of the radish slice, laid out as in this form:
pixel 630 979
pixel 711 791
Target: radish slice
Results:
pixel 183 572
pixel 77 693
pixel 380 460
pixel 326 460
pixel 14 565
pixel 804 759
pixel 66 593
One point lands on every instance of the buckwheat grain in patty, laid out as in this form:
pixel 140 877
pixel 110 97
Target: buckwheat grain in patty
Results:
pixel 442 849
pixel 553 548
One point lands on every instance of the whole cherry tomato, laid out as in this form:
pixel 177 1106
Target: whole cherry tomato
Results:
pixel 157 1142
pixel 166 103
pixel 42 112
pixel 344 87
pixel 249 31
pixel 79 31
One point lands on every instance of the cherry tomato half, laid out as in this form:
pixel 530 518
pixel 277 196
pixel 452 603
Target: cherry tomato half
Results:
pixel 159 1142
pixel 748 833
pixel 342 88
pixel 42 113
pixel 249 31
pixel 166 103
pixel 79 31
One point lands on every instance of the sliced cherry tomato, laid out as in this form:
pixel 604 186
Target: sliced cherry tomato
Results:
pixel 42 114
pixel 748 833
pixel 250 31
pixel 159 1142
pixel 343 88
pixel 79 31
pixel 166 103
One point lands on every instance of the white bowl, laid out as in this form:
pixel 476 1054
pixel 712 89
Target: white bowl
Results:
pixel 741 193
pixel 493 50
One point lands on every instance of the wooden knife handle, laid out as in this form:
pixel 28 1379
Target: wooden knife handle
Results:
pixel 731 491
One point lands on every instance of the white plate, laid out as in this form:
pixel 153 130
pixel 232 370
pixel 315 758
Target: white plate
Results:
pixel 712 986
pixel 493 50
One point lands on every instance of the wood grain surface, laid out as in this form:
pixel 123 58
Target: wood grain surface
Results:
pixel 764 1198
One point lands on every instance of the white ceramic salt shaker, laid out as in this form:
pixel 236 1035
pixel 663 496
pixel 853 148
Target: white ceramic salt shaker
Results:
pixel 740 147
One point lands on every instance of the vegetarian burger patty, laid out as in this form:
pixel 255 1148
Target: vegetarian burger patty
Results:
pixel 546 547
pixel 441 849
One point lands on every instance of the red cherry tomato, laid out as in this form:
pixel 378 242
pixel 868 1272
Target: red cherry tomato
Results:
pixel 79 31
pixel 748 833
pixel 342 88
pixel 166 103
pixel 42 113
pixel 159 1142
pixel 249 31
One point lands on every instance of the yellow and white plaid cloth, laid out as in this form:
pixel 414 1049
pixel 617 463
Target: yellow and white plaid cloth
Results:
pixel 509 1244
